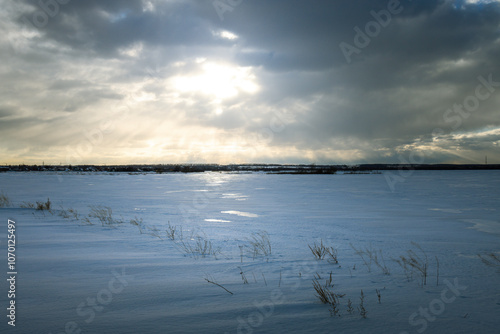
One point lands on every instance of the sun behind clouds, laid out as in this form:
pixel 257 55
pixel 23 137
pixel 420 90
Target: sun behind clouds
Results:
pixel 220 81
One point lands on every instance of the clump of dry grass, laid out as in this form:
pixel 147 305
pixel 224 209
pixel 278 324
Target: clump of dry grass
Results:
pixel 369 256
pixel 361 308
pixel 350 309
pixel 69 213
pixel 171 230
pixel 4 200
pixel 320 251
pixel 491 260
pixel 104 214
pixel 197 245
pixel 365 256
pixel 260 244
pixel 326 295
pixel 27 205
pixel 414 261
pixel 137 222
pixel 154 231
pixel 44 206
pixel 204 247
pixel 74 213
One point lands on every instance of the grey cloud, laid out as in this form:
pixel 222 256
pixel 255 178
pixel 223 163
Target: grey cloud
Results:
pixel 106 26
pixel 6 111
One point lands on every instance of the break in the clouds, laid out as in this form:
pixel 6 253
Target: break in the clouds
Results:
pixel 87 81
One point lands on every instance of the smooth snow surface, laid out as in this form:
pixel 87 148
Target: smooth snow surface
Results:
pixel 132 278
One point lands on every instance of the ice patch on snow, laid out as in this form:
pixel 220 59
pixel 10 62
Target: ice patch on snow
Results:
pixel 184 190
pixel 217 220
pixel 488 226
pixel 237 197
pixel 241 214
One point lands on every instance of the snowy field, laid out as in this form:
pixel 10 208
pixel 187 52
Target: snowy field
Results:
pixel 132 272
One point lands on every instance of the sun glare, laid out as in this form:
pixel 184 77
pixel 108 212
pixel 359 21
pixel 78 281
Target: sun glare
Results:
pixel 218 81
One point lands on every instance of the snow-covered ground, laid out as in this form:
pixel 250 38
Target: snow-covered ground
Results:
pixel 73 277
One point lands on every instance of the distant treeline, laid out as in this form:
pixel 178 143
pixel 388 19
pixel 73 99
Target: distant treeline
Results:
pixel 268 168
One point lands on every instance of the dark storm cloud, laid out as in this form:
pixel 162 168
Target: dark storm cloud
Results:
pixel 106 26
pixel 389 94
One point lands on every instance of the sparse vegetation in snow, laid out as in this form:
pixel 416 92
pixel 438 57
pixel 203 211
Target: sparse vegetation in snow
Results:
pixel 4 200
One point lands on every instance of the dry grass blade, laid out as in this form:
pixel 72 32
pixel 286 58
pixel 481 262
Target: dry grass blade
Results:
pixel 361 308
pixel 171 231
pixel 379 296
pixel 364 256
pixel 350 309
pixel 220 286
pixel 137 222
pixel 243 277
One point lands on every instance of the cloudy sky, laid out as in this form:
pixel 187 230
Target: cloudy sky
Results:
pixel 235 81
